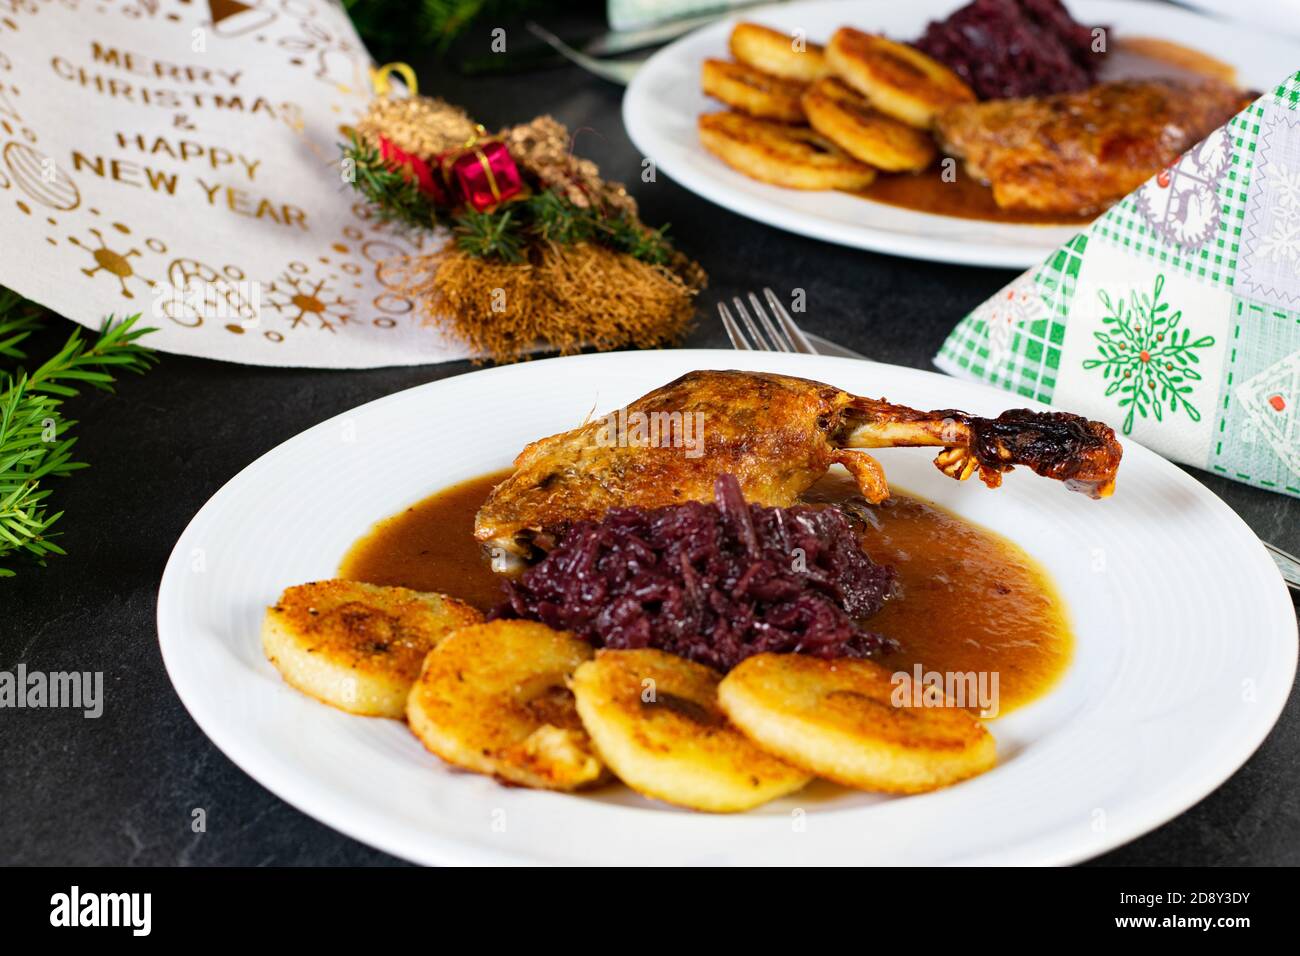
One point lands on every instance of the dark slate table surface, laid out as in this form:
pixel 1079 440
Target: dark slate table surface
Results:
pixel 121 789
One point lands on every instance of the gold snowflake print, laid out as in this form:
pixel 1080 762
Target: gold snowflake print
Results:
pixel 308 302
pixel 116 263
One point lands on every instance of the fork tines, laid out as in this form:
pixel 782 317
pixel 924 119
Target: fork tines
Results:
pixel 758 332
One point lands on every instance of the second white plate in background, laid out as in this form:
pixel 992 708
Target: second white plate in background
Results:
pixel 664 101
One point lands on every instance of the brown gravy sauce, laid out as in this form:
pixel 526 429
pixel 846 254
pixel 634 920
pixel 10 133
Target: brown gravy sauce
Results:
pixel 963 198
pixel 969 599
pixel 1130 58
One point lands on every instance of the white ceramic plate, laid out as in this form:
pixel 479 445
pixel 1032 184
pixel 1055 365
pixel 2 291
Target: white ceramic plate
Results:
pixel 664 101
pixel 1186 643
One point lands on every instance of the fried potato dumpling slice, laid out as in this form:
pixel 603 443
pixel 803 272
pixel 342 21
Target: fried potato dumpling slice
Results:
pixel 655 720
pixel 752 91
pixel 789 156
pixel 898 79
pixel 777 53
pixel 492 698
pixel 847 119
pixel 838 719
pixel 358 647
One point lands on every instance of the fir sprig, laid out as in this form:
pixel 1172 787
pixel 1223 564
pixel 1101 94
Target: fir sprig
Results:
pixel 392 192
pixel 640 242
pixel 549 217
pixel 34 441
pixel 494 235
pixel 18 319
pixel 555 219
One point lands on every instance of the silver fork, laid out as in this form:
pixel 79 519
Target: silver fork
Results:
pixel 1288 564
pixel 759 332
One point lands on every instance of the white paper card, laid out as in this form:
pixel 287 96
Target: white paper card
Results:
pixel 181 159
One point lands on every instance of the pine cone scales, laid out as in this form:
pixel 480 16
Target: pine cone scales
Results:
pixel 544 151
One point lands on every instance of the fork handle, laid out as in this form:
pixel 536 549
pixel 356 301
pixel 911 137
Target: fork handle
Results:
pixel 1288 564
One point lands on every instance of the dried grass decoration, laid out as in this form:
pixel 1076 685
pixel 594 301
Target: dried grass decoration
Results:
pixel 543 253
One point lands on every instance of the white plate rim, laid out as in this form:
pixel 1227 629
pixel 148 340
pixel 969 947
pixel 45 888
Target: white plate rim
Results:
pixel 1151 811
pixel 971 242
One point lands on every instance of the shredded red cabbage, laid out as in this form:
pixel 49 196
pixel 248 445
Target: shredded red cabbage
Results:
pixel 714 583
pixel 1011 48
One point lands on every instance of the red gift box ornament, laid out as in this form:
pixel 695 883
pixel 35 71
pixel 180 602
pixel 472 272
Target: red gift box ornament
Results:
pixel 416 168
pixel 483 174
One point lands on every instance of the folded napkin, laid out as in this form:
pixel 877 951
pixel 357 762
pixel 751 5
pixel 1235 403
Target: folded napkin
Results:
pixel 1175 317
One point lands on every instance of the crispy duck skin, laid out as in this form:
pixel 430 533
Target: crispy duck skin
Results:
pixel 777 434
pixel 1079 152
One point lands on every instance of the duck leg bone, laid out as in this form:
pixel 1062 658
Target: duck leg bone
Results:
pixel 1081 453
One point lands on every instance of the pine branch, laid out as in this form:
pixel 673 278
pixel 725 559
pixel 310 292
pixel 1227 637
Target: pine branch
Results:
pixel 640 241
pixel 393 193
pixel 33 432
pixel 555 219
pixel 549 217
pixel 18 319
pixel 494 235
pixel 78 363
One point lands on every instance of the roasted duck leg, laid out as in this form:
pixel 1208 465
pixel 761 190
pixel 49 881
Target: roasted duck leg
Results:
pixel 777 435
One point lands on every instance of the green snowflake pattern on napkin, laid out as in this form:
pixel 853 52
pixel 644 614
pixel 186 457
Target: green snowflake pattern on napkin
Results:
pixel 1145 359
